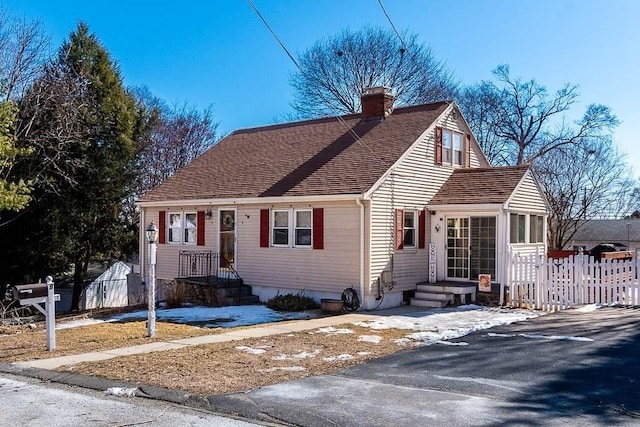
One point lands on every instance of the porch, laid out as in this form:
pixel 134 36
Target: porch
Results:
pixel 208 278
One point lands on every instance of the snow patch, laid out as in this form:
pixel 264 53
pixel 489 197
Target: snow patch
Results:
pixel 541 337
pixel 375 339
pixel 332 330
pixel 588 308
pixel 121 391
pixel 251 350
pixel 283 368
pixel 339 357
pixel 449 323
pixel 363 353
pixel 301 355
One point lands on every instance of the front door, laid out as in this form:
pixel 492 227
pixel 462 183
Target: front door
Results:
pixel 227 227
pixel 471 247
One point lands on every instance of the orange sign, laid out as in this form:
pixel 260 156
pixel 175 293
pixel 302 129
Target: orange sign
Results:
pixel 484 282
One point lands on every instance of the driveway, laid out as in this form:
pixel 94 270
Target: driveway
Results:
pixel 577 367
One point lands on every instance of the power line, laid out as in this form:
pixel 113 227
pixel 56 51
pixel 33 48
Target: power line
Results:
pixel 264 21
pixel 338 118
pixel 392 26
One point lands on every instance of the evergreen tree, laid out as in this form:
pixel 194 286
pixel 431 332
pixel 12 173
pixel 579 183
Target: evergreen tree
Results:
pixel 82 125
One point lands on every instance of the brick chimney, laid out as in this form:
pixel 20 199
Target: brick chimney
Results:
pixel 377 103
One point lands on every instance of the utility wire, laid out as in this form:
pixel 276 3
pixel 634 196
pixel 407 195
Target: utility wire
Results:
pixel 264 21
pixel 391 23
pixel 338 118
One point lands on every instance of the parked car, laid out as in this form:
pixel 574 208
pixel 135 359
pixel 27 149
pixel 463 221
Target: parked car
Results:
pixel 597 251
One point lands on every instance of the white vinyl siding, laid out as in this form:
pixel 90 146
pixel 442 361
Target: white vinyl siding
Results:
pixel 330 270
pixel 414 181
pixel 527 197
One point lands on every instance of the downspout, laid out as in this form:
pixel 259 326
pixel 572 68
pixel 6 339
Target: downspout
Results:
pixel 506 252
pixel 362 246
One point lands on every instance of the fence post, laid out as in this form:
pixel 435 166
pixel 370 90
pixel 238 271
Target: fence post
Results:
pixel 538 271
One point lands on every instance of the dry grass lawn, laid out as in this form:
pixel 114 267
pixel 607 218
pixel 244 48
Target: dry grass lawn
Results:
pixel 206 369
pixel 247 364
pixel 21 343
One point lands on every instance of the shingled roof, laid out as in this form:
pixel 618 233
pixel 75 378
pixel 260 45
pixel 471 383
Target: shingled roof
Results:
pixel 316 157
pixel 479 185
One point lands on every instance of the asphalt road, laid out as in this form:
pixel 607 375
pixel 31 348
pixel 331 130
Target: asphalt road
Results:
pixel 571 368
pixel 31 402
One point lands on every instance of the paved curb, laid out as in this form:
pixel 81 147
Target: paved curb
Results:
pixel 231 406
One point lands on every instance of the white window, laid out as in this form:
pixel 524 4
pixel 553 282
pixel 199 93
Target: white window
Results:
pixel 446 147
pixel 292 228
pixel 517 228
pixel 303 228
pixel 536 229
pixel 409 229
pixel 280 233
pixel 182 227
pixel 452 148
pixel 457 149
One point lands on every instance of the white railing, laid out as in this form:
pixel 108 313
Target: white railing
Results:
pixel 534 281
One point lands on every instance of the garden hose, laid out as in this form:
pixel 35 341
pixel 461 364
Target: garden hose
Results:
pixel 350 299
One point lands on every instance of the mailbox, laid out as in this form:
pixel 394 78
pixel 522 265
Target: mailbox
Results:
pixel 35 290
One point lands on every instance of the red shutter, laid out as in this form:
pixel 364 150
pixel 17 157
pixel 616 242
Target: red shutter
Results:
pixel 162 227
pixel 438 145
pixel 467 155
pixel 200 229
pixel 318 228
pixel 422 229
pixel 264 228
pixel 399 229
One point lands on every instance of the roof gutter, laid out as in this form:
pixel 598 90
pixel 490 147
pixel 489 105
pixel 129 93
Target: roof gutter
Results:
pixel 248 200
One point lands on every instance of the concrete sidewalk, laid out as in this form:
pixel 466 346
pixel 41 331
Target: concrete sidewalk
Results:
pixel 253 332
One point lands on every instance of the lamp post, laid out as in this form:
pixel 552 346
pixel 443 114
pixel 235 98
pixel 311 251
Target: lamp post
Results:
pixel 152 232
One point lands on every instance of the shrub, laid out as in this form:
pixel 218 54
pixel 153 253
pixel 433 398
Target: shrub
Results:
pixel 291 302
pixel 173 294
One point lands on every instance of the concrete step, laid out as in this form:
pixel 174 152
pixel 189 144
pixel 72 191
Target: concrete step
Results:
pixel 428 303
pixel 450 288
pixel 435 295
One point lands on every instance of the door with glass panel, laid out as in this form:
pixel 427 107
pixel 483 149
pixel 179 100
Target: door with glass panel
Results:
pixel 457 248
pixel 227 227
pixel 471 247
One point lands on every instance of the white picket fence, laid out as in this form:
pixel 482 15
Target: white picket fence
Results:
pixel 535 281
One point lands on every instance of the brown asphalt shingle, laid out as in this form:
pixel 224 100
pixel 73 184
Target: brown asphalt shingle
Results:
pixel 316 157
pixel 479 185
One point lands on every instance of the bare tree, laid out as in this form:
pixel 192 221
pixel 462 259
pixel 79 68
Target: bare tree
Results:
pixel 175 136
pixel 335 71
pixel 520 122
pixel 582 182
pixel 23 50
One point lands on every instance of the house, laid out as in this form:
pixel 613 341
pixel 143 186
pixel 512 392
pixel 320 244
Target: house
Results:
pixel 377 201
pixel 590 233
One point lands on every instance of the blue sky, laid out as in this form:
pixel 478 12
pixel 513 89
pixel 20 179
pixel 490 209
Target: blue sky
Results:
pixel 219 53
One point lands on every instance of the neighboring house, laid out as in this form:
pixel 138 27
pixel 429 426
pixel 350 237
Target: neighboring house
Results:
pixel 595 231
pixel 355 201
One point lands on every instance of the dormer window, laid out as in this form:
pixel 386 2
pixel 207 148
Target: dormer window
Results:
pixel 452 148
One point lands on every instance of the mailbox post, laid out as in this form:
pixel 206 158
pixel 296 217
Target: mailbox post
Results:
pixel 35 294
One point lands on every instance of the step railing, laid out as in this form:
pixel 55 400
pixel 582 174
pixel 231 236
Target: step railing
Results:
pixel 205 264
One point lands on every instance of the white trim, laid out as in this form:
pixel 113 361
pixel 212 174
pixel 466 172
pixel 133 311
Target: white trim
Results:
pixel 492 207
pixel 248 201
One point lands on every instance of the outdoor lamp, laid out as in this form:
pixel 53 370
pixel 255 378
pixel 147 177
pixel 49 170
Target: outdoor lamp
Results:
pixel 152 232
